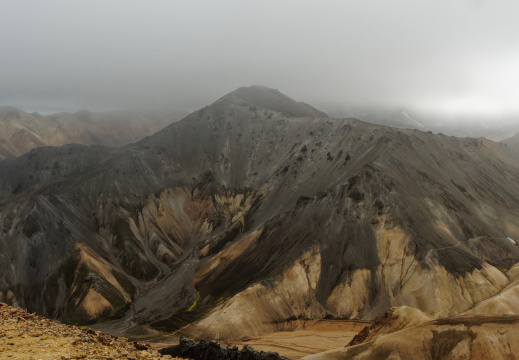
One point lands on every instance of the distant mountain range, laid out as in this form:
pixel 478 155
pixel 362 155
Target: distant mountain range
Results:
pixel 255 210
pixel 21 132
pixel 496 129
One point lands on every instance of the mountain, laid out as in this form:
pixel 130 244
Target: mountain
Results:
pixel 512 140
pixel 494 127
pixel 255 210
pixel 21 132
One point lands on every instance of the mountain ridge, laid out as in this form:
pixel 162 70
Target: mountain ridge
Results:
pixel 191 227
pixel 22 132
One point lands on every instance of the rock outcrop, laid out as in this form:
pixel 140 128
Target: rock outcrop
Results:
pixel 394 319
pixel 203 350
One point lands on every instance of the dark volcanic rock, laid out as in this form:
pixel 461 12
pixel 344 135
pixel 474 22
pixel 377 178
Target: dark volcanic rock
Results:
pixel 212 350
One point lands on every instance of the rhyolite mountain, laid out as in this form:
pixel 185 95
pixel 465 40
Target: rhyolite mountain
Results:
pixel 21 132
pixel 487 331
pixel 255 210
pixel 407 334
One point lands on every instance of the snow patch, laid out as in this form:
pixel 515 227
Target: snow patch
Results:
pixel 413 120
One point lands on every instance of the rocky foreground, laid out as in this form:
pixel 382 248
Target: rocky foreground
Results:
pixel 212 350
pixel 29 336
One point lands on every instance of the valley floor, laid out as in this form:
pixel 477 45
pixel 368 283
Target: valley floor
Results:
pixel 309 338
pixel 301 338
pixel 297 344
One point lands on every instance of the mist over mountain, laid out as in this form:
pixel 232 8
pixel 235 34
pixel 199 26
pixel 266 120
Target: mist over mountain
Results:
pixel 21 132
pixel 513 140
pixel 495 127
pixel 184 55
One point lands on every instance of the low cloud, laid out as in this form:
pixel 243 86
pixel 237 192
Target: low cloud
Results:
pixel 457 57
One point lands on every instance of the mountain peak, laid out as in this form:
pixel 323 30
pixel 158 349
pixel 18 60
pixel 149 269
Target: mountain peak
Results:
pixel 273 99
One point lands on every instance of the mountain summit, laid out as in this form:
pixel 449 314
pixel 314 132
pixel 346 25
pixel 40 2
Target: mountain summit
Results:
pixel 272 99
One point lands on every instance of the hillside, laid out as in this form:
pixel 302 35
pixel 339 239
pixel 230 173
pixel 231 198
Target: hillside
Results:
pixel 255 210
pixel 21 132
pixel 29 336
pixel 477 337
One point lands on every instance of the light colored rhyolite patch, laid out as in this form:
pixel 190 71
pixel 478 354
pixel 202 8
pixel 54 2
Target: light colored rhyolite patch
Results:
pixel 101 267
pixel 264 306
pixel 465 337
pixel 404 281
pixel 93 305
pixel 506 302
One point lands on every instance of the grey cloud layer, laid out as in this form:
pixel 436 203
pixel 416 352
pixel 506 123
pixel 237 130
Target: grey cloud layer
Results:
pixel 457 56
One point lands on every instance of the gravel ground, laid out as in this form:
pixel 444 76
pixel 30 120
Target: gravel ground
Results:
pixel 29 336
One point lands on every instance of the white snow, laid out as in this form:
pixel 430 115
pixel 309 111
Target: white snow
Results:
pixel 512 240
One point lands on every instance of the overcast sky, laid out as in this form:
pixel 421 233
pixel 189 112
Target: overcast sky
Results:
pixel 457 56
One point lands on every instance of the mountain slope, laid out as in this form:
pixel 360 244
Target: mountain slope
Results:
pixel 22 132
pixel 241 216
